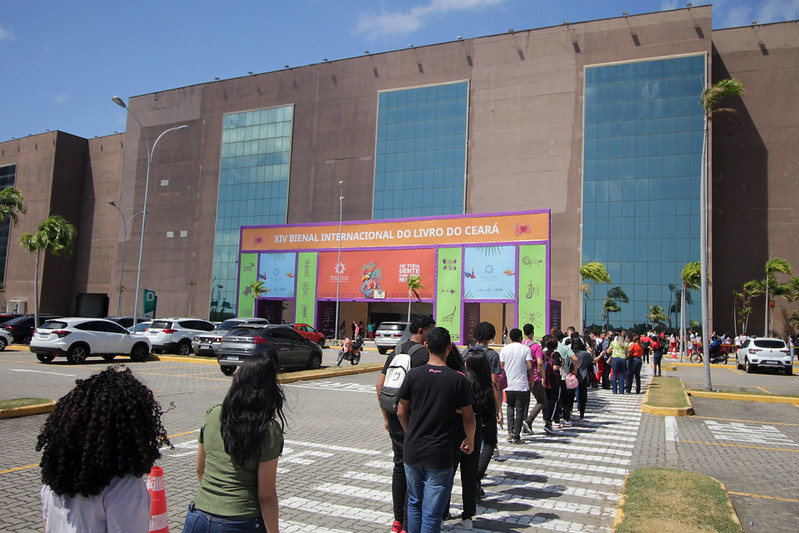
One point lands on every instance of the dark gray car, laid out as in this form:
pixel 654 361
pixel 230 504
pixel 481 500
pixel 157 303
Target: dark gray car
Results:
pixel 292 349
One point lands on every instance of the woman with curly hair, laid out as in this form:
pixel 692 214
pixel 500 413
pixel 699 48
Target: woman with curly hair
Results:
pixel 240 442
pixel 102 437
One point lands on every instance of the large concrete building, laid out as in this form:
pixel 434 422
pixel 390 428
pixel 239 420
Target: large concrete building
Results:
pixel 598 123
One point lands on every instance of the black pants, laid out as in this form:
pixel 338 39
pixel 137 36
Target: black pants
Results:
pixel 540 395
pixel 566 402
pixel 489 445
pixel 518 402
pixel 606 374
pixel 582 392
pixel 399 489
pixel 468 465
pixel 549 406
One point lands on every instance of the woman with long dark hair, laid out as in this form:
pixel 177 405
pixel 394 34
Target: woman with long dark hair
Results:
pixel 583 368
pixel 240 442
pixel 102 437
pixel 475 368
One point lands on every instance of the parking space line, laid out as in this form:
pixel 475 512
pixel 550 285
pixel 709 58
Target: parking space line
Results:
pixel 18 468
pixel 764 390
pixel 739 446
pixel 750 421
pixel 762 496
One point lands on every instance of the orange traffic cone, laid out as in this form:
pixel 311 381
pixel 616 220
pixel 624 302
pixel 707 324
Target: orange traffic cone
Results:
pixel 159 520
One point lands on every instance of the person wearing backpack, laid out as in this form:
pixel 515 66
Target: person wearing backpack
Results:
pixel 484 333
pixel 414 347
pixel 551 379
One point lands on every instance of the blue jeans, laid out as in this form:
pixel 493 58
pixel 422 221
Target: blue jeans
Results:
pixel 658 357
pixel 619 365
pixel 428 492
pixel 201 522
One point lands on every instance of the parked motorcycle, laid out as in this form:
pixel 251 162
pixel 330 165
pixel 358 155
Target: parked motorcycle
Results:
pixel 716 354
pixel 351 351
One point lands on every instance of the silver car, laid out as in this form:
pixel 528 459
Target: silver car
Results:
pixel 764 352
pixel 208 343
pixel 388 334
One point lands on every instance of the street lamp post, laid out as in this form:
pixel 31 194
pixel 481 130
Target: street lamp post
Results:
pixel 118 101
pixel 338 264
pixel 122 262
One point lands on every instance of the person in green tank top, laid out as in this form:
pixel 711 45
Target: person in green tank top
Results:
pixel 240 442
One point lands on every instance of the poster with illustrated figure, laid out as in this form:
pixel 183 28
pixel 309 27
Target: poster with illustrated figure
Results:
pixel 489 273
pixel 376 274
pixel 277 271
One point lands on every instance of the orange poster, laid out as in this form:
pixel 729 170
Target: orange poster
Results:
pixel 376 274
pixel 453 231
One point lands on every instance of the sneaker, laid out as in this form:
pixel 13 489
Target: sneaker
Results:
pixel 526 428
pixel 509 438
pixel 565 424
pixel 396 527
pixel 496 453
pixel 517 441
pixel 549 430
pixel 464 524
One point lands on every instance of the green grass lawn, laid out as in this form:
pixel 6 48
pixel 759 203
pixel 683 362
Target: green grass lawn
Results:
pixel 667 392
pixel 666 501
pixel 21 402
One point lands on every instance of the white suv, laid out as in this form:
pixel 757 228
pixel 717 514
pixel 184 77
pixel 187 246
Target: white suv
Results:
pixel 78 338
pixel 174 335
pixel 764 352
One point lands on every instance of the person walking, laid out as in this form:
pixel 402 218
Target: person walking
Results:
pixel 240 442
pixel 618 363
pixel 414 347
pixel 584 365
pixel 101 438
pixel 539 393
pixel 634 363
pixel 429 398
pixel 517 361
pixel 551 380
pixel 657 355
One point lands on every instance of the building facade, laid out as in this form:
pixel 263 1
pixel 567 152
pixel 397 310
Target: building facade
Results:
pixel 598 123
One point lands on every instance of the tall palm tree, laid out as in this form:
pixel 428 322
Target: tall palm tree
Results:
pixel 414 284
pixel 11 204
pixel 258 289
pixel 712 99
pixel 593 271
pixel 657 316
pixel 611 303
pixel 691 276
pixel 770 284
pixel 55 235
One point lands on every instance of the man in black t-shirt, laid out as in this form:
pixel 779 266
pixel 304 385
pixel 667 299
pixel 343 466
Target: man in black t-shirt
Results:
pixel 419 356
pixel 429 398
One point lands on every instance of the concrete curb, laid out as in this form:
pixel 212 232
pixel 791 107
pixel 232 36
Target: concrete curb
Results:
pixel 731 509
pixel 744 397
pixel 28 410
pixel 667 411
pixel 619 511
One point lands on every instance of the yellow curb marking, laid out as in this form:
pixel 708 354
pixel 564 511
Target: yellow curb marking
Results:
pixel 752 421
pixel 763 496
pixel 740 446
pixel 764 390
pixel 18 468
pixel 28 467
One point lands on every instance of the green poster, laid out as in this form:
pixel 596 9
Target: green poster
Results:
pixel 248 273
pixel 305 293
pixel 149 303
pixel 448 291
pixel 532 271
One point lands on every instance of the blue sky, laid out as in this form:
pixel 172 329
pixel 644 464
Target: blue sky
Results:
pixel 62 61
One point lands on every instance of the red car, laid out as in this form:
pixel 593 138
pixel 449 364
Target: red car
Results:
pixel 307 331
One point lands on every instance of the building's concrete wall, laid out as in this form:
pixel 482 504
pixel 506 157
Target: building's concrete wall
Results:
pixel 755 211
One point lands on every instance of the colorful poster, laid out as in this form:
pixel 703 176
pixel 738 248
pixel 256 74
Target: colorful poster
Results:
pixel 276 270
pixel 247 276
pixel 376 274
pixel 489 273
pixel 448 291
pixel 533 286
pixel 305 308
pixel 447 231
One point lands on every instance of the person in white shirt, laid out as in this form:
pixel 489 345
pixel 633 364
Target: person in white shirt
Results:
pixel 517 361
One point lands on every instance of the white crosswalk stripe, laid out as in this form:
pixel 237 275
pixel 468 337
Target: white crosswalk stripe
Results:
pixel 570 481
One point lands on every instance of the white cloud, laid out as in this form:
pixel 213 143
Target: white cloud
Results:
pixel 6 34
pixel 399 23
pixel 777 11
pixel 61 98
